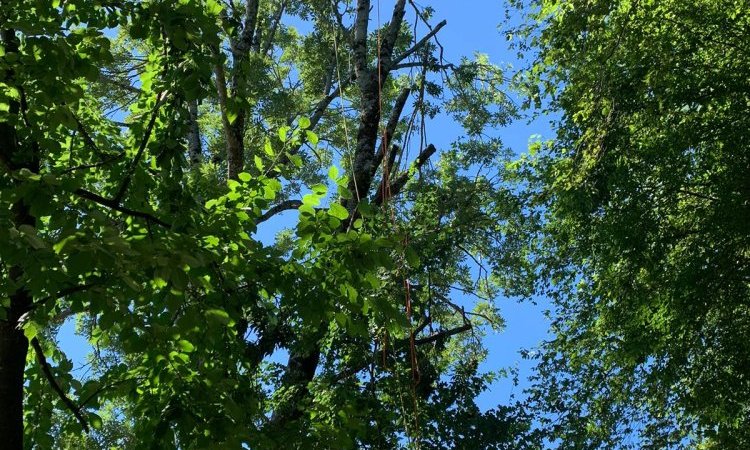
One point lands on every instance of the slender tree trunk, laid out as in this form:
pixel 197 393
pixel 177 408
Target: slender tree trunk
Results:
pixel 194 134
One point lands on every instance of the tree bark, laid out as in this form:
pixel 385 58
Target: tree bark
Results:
pixel 13 348
pixel 194 134
pixel 13 343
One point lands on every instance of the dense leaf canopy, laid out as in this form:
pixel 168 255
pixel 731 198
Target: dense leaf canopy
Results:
pixel 647 231
pixel 146 145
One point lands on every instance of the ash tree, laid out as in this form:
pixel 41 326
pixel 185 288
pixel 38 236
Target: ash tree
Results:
pixel 144 147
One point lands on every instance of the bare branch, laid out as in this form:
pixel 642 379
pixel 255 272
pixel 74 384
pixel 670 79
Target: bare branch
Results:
pixel 390 129
pixel 389 40
pixel 359 47
pixel 443 334
pixel 283 206
pixel 419 44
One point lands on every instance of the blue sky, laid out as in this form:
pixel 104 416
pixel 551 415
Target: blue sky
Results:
pixel 473 26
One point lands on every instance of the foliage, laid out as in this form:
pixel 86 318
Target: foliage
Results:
pixel 145 145
pixel 644 194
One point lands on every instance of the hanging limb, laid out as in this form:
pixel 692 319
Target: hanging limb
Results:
pixel 56 387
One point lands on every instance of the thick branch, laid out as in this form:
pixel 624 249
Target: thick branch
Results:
pixel 235 145
pixel 389 40
pixel 194 135
pixel 359 47
pixel 244 42
pixel 268 44
pixel 56 387
pixel 283 206
pixel 443 334
pixel 400 181
pixel 390 130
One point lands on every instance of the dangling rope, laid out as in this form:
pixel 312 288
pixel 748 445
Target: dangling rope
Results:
pixel 386 194
pixel 341 104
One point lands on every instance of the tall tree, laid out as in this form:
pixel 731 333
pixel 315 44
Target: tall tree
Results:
pixel 645 196
pixel 143 146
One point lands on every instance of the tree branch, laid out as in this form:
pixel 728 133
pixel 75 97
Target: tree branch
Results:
pixel 391 35
pixel 88 195
pixel 56 387
pixel 268 44
pixel 283 206
pixel 398 184
pixel 419 44
pixel 244 43
pixel 359 47
pixel 141 149
pixel 62 293
pixel 443 334
pixel 390 130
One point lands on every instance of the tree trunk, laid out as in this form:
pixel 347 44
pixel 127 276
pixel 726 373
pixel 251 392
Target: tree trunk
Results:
pixel 13 342
pixel 13 348
pixel 194 135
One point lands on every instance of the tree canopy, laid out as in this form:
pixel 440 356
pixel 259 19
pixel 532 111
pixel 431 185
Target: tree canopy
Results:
pixel 148 148
pixel 647 222
pixel 145 144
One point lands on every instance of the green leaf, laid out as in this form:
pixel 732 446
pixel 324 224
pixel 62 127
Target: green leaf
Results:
pixel 218 316
pixel 319 189
pixel 333 173
pixel 185 346
pixel 311 137
pixel 268 148
pixel 338 211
